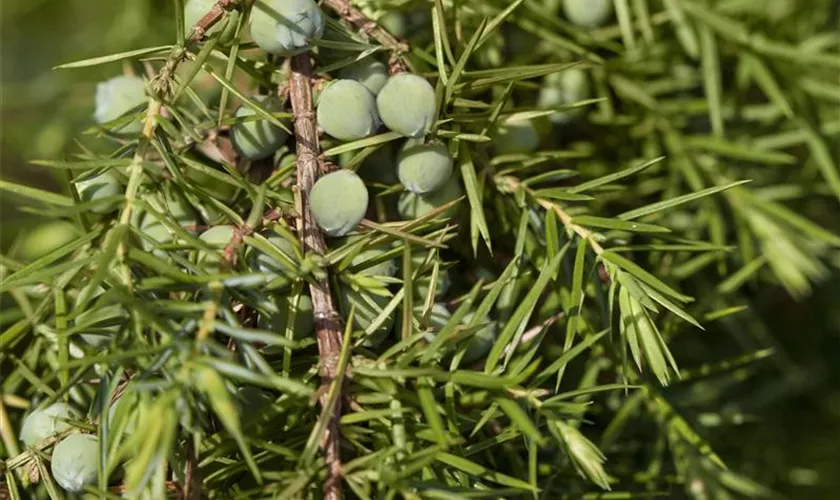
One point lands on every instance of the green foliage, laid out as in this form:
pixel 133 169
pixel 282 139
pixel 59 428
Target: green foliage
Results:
pixel 581 299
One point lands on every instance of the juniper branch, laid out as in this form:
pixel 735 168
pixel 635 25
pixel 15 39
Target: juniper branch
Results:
pixel 372 30
pixel 161 84
pixel 513 184
pixel 326 318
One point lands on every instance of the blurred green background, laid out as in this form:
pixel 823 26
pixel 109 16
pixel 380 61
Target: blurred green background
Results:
pixel 43 109
pixel 785 429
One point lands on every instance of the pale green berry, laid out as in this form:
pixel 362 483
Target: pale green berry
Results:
pixel 45 238
pixel 565 87
pixel 438 318
pixel 339 201
pixel 481 341
pixel 413 205
pixel 46 422
pixel 422 284
pixel 266 263
pixel 369 72
pixel 347 110
pixel 217 237
pixel 74 461
pixel 118 96
pixel 588 13
pixel 380 166
pixel 258 139
pixel 367 309
pixel 194 10
pixel 394 22
pixel 304 321
pixel 368 265
pixel 516 136
pixel 424 167
pixel 424 279
pixel 406 105
pixel 221 191
pixel 157 233
pixel 286 27
pixel 96 188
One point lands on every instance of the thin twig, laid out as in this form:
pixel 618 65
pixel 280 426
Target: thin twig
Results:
pixel 163 82
pixel 513 184
pixel 327 326
pixel 372 30
pixel 192 482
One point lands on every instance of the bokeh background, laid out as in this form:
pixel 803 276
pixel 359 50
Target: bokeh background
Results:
pixel 783 417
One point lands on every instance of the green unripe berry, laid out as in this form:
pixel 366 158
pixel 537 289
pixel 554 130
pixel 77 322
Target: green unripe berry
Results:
pixel 438 318
pixel 194 10
pixel 380 166
pixel 157 233
pixel 347 110
pixel 338 201
pixel 385 268
pixel 99 187
pixel 561 88
pixel 304 323
pixel 43 423
pixel 368 307
pixel 265 263
pixel 369 72
pixel 217 237
pixel 118 96
pixel 424 280
pixel 221 191
pixel 406 105
pixel 423 168
pixel 413 205
pixel 422 285
pixel 286 27
pixel 394 22
pixel 259 138
pixel 588 13
pixel 516 136
pixel 74 461
pixel 481 341
pixel 45 238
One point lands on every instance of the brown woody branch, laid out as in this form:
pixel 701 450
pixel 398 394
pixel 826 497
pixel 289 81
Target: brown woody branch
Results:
pixel 327 323
pixel 163 82
pixel 371 30
pixel 217 12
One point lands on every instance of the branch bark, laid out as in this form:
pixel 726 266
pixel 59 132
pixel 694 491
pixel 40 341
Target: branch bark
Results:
pixel 372 30
pixel 327 322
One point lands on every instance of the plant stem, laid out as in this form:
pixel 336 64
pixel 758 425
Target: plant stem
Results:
pixel 513 183
pixel 372 30
pixel 327 322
